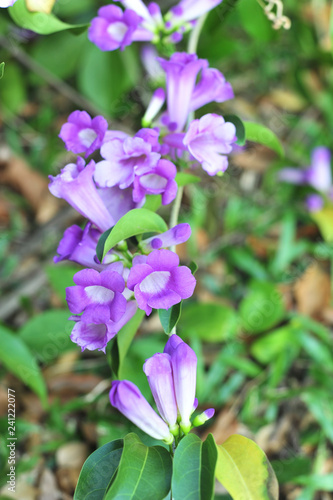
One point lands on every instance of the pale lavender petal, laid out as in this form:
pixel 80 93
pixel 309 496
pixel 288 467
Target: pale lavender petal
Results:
pixel 174 236
pixel 117 307
pixel 159 373
pixel 319 174
pixel 314 202
pixel 76 299
pixel 127 398
pixel 162 260
pixel 137 273
pixel 182 281
pixel 292 175
pixel 211 87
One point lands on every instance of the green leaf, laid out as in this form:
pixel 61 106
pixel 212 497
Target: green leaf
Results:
pixel 324 220
pixel 262 308
pixel 208 321
pixel 133 223
pixel 39 22
pixel 320 405
pixel 240 129
pixel 267 348
pixel 153 202
pixel 17 358
pixel 144 472
pixel 48 334
pixel 259 133
pixel 169 318
pixel 123 341
pixel 101 243
pixel 13 94
pixel 243 469
pixel 97 471
pixel 2 69
pixel 194 469
pixel 184 178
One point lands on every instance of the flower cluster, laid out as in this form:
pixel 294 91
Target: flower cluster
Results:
pixel 115 28
pixel 172 379
pixel 317 176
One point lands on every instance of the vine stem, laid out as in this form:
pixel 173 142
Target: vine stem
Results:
pixel 195 34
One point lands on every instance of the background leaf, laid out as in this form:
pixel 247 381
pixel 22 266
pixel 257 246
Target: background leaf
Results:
pixel 98 470
pixel 240 129
pixel 194 468
pixel 17 358
pixel 144 472
pixel 243 469
pixel 135 222
pixel 256 132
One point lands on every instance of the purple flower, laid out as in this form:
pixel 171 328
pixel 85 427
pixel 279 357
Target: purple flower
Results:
pixel 98 295
pixel 159 373
pixel 82 134
pixel 127 398
pixel 181 73
pixel 158 282
pixel 318 175
pixel 75 185
pixel 188 10
pixel 314 202
pixel 140 8
pixel 6 3
pixel 93 336
pixel 174 236
pixel 122 157
pixel 154 107
pixel 184 369
pixel 159 180
pixel 212 86
pixel 114 29
pixel 209 140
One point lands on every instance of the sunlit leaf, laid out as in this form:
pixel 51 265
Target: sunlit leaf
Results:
pixel 256 132
pixel 243 469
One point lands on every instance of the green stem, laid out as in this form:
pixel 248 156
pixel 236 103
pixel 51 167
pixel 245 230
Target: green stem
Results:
pixel 195 34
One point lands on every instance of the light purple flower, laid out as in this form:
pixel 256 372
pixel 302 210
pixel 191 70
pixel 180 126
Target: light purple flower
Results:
pixel 114 29
pixel 159 373
pixel 93 336
pixel 159 180
pixel 127 398
pixel 188 10
pixel 6 3
pixel 184 369
pixel 212 86
pixel 97 295
pixel 314 202
pixel 318 175
pixel 181 73
pixel 83 134
pixel 75 185
pixel 122 157
pixel 209 140
pixel 140 8
pixel 203 417
pixel 158 281
pixel 174 236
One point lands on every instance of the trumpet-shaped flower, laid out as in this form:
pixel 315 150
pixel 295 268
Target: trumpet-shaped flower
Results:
pixel 83 134
pixel 209 140
pixel 181 73
pixel 127 398
pixel 98 295
pixel 113 29
pixel 158 369
pixel 158 180
pixel 93 336
pixel 158 281
pixel 212 86
pixel 188 10
pixel 75 185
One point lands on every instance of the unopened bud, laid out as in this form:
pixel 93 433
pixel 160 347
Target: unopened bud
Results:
pixel 203 417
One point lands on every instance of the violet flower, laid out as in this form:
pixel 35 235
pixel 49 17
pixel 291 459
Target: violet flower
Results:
pixel 188 10
pixel 122 157
pixel 127 398
pixel 159 180
pixel 93 336
pixel 83 134
pixel 174 236
pixel 184 369
pixel 181 73
pixel 158 281
pixel 97 295
pixel 209 140
pixel 158 369
pixel 75 185
pixel 314 202
pixel 154 107
pixel 318 175
pixel 142 10
pixel 212 86
pixel 114 29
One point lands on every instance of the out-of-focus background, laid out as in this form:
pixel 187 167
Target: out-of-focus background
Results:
pixel 261 318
